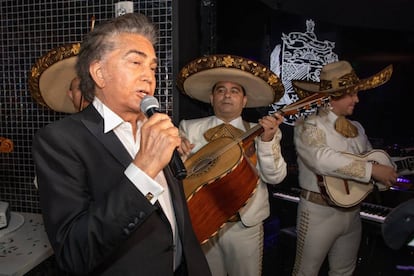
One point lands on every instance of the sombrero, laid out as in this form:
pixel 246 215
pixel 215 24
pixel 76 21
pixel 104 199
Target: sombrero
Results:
pixel 339 78
pixel 51 75
pixel 262 86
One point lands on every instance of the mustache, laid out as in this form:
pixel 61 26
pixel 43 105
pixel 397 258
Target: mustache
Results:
pixel 226 102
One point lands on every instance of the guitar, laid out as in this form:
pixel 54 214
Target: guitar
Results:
pixel 215 172
pixel 348 193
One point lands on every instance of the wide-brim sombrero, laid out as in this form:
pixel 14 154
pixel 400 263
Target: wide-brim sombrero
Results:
pixel 51 75
pixel 262 86
pixel 339 78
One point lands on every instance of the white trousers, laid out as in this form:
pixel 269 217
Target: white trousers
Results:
pixel 236 250
pixel 321 231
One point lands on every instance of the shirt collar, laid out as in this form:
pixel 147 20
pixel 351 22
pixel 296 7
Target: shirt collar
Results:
pixel 238 122
pixel 332 116
pixel 111 119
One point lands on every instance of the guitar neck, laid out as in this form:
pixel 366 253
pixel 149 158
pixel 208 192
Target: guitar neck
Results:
pixel 253 132
pixel 299 107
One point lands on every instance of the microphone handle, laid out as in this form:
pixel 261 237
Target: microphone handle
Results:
pixel 177 167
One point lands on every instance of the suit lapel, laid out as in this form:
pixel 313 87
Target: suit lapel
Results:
pixel 95 124
pixel 176 197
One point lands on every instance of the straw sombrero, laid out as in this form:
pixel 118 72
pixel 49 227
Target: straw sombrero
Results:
pixel 51 75
pixel 339 78
pixel 262 86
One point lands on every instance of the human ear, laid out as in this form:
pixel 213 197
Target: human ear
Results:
pixel 96 71
pixel 70 94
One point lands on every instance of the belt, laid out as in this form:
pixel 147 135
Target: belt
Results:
pixel 317 198
pixel 234 218
pixel 313 197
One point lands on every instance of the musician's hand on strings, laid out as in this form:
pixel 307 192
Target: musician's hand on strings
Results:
pixel 270 126
pixel 384 174
pixel 185 148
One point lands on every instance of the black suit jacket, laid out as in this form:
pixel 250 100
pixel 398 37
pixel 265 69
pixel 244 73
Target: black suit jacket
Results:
pixel 97 221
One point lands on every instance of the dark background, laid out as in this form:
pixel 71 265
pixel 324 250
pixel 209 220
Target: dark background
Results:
pixel 371 35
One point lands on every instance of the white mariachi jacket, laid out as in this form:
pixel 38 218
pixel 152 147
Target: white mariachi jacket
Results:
pixel 270 164
pixel 320 151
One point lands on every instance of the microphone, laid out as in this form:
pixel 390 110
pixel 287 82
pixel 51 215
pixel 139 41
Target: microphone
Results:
pixel 150 105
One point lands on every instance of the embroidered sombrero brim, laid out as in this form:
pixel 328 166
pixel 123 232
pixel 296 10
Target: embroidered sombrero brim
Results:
pixel 198 77
pixel 345 85
pixel 51 75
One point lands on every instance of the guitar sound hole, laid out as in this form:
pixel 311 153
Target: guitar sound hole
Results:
pixel 203 165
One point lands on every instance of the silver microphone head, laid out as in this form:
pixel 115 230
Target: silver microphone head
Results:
pixel 149 103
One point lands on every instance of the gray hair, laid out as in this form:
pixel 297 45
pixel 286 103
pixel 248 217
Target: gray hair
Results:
pixel 99 42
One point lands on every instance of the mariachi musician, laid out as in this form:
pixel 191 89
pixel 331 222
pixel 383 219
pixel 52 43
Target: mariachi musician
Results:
pixel 231 83
pixel 327 145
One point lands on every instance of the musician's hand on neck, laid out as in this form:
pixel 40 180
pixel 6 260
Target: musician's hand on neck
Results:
pixel 270 126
